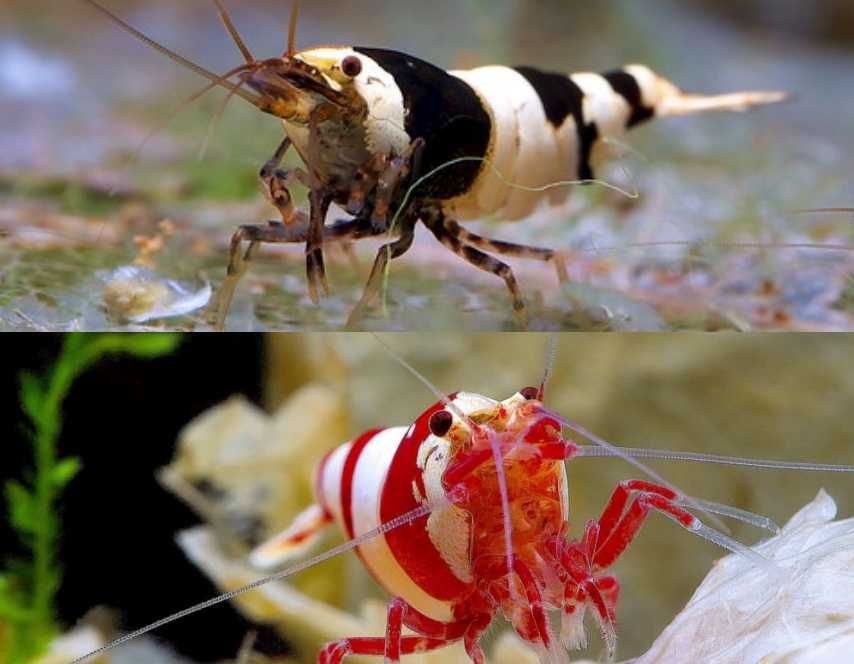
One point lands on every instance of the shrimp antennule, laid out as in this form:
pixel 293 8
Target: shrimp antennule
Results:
pixel 172 55
pixel 292 30
pixel 225 17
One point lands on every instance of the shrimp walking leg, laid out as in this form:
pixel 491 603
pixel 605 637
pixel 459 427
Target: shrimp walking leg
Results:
pixel 604 541
pixel 320 200
pixel 535 601
pixel 315 268
pixel 619 524
pixel 432 635
pixel 386 254
pixel 450 238
pixel 293 228
pixel 511 249
pixel 277 183
pixel 335 652
pixel 274 232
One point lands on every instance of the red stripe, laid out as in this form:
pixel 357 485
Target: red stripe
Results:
pixel 411 544
pixel 347 478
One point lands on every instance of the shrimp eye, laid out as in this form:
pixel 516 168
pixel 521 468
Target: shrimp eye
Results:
pixel 351 66
pixel 440 423
pixel 530 393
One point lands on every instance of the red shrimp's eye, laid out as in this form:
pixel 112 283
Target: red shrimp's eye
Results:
pixel 440 423
pixel 530 393
pixel 351 66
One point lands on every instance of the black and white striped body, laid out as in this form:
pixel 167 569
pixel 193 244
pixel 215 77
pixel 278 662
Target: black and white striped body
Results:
pixel 520 128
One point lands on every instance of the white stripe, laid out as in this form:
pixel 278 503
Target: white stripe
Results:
pixel 527 152
pixel 490 192
pixel 653 88
pixel 602 105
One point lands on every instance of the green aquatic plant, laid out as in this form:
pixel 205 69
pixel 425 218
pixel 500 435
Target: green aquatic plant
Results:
pixel 28 585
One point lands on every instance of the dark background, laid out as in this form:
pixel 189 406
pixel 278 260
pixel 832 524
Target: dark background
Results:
pixel 122 418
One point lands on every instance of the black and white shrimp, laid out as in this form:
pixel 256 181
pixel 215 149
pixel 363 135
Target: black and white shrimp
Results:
pixel 395 141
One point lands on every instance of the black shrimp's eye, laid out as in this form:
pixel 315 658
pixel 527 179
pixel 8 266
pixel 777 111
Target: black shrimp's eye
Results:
pixel 530 393
pixel 351 66
pixel 440 423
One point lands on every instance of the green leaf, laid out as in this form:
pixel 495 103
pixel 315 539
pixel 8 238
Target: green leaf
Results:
pixel 76 340
pixel 22 508
pixel 32 395
pixel 142 346
pixel 65 471
pixel 148 345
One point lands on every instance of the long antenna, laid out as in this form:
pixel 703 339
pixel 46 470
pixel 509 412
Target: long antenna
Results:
pixel 235 34
pixel 423 380
pixel 215 121
pixel 184 104
pixel 614 450
pixel 760 464
pixel 292 29
pixel 548 365
pixel 402 520
pixel 172 55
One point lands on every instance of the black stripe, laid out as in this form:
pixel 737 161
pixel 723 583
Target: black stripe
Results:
pixel 562 97
pixel 447 113
pixel 627 87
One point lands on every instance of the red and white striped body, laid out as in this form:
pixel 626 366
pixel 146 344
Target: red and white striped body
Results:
pixel 385 473
pixel 494 540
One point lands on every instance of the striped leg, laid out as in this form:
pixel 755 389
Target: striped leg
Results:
pixel 292 228
pixel 314 266
pixel 450 239
pixel 275 232
pixel 319 201
pixel 511 249
pixel 386 254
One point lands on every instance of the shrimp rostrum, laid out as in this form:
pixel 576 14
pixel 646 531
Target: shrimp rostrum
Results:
pixel 395 141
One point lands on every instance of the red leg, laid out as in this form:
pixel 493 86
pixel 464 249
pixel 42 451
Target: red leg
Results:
pixel 472 638
pixel 618 525
pixel 603 542
pixel 535 602
pixel 393 629
pixel 334 653
pixel 433 634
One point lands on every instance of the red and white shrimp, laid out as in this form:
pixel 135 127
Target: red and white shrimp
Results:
pixel 452 570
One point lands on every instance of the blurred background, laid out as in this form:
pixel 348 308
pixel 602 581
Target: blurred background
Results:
pixel 80 96
pixel 780 397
